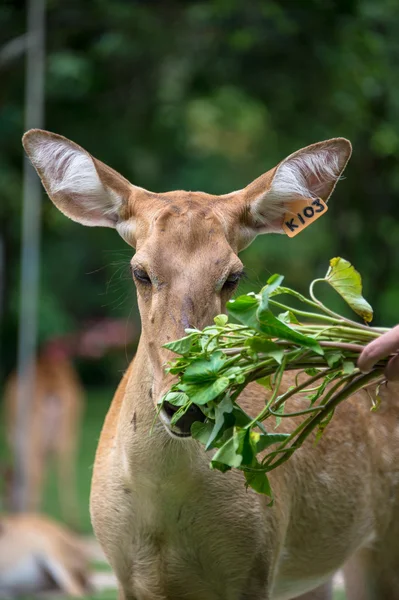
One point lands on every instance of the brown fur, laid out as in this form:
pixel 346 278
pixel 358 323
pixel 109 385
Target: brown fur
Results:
pixel 172 528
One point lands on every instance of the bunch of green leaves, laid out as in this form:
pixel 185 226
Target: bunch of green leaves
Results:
pixel 270 338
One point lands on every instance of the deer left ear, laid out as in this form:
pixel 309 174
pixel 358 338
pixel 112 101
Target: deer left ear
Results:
pixel 82 187
pixel 312 172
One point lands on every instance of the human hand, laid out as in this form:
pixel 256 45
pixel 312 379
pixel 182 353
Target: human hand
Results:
pixel 386 344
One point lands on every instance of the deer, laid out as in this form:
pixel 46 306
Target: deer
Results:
pixel 172 528
pixel 57 408
pixel 57 411
pixel 39 555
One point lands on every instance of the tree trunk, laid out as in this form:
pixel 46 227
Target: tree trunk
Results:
pixel 34 109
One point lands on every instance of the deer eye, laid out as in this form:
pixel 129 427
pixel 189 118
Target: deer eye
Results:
pixel 233 279
pixel 141 275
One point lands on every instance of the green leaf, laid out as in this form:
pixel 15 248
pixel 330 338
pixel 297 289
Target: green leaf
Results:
pixel 176 398
pixel 211 330
pixel 220 466
pixel 225 435
pixel 244 446
pixel 244 309
pixel 288 317
pixel 236 451
pixel 262 441
pixel 273 283
pixel 228 454
pixel 259 482
pixel 279 411
pixel 182 346
pixel 274 327
pixel 177 367
pixel 270 325
pixel 311 371
pixel 204 370
pixel 179 413
pixel 209 343
pixel 201 431
pixel 333 358
pixel 232 372
pixel 241 417
pixel 259 344
pixel 252 355
pixel 223 420
pixel 266 382
pixel 348 367
pixel 344 278
pixel 221 320
pixel 251 311
pixel 205 392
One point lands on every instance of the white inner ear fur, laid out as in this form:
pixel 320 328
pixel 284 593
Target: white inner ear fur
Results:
pixel 127 231
pixel 71 172
pixel 302 176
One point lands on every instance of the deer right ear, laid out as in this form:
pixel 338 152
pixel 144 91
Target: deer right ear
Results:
pixel 82 187
pixel 309 173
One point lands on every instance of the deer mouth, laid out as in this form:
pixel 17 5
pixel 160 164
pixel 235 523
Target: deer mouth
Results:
pixel 182 428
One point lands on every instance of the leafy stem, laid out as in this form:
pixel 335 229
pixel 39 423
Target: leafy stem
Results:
pixel 330 312
pixel 216 365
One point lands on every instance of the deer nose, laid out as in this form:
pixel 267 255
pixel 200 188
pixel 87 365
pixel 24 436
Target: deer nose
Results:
pixel 190 416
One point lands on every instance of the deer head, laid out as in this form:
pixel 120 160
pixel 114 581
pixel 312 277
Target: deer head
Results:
pixel 186 264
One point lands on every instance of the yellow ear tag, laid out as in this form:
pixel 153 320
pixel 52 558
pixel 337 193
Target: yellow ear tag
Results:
pixel 303 213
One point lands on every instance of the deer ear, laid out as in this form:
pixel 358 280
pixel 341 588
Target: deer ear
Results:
pixel 309 173
pixel 82 187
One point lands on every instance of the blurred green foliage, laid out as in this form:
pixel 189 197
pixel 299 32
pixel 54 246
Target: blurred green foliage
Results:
pixel 208 95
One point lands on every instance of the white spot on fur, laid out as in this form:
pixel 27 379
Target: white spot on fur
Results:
pixel 127 231
pixel 326 479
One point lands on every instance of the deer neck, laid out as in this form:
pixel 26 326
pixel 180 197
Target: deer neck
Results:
pixel 147 446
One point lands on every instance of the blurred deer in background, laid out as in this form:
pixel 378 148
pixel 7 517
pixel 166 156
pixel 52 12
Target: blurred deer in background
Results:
pixel 58 405
pixel 39 555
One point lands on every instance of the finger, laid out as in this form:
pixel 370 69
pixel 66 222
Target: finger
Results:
pixel 383 346
pixel 392 369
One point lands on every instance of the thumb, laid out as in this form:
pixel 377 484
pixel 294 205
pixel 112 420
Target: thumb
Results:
pixel 386 344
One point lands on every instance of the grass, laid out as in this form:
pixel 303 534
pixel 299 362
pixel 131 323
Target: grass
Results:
pixel 97 405
pixel 112 594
